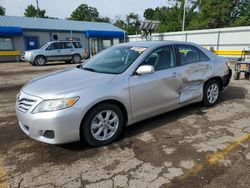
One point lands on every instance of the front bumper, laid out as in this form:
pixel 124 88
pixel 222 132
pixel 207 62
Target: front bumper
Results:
pixel 64 124
pixel 27 57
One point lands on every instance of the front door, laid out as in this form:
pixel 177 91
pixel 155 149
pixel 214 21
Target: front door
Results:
pixel 155 93
pixel 31 42
pixel 54 51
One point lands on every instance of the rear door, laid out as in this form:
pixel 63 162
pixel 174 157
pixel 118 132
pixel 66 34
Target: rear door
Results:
pixel 154 93
pixel 195 69
pixel 67 51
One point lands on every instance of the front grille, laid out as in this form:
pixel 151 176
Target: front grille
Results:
pixel 24 104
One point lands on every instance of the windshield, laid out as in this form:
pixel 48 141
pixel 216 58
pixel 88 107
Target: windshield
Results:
pixel 45 45
pixel 114 60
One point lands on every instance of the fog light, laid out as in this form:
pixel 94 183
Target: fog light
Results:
pixel 49 134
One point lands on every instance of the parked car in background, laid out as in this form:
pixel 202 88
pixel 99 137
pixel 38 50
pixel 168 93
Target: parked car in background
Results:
pixel 117 87
pixel 68 51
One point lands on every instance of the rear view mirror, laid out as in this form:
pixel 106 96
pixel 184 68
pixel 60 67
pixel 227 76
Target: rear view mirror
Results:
pixel 145 69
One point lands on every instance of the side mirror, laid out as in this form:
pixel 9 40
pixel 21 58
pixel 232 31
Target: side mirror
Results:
pixel 145 69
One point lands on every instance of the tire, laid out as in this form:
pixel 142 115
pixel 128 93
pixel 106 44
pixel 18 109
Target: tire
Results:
pixel 40 61
pixel 93 127
pixel 237 76
pixel 211 93
pixel 76 59
pixel 246 75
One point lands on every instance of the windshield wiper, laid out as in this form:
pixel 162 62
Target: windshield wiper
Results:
pixel 89 69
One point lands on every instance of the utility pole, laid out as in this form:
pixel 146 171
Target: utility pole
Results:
pixel 37 8
pixel 184 15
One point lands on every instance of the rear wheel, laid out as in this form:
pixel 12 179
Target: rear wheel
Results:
pixel 211 93
pixel 237 75
pixel 40 61
pixel 103 124
pixel 76 58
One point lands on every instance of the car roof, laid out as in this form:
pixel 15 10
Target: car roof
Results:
pixel 62 41
pixel 148 44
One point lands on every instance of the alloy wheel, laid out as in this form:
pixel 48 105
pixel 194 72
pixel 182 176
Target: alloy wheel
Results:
pixel 104 125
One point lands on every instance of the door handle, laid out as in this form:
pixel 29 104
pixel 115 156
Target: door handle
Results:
pixel 58 50
pixel 71 50
pixel 175 74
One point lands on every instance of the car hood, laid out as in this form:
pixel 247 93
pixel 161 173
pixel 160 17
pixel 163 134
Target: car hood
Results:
pixel 33 51
pixel 64 83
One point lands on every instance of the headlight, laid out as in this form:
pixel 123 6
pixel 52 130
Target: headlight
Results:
pixel 29 53
pixel 55 104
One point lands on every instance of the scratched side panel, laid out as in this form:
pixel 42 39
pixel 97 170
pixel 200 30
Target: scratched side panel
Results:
pixel 193 77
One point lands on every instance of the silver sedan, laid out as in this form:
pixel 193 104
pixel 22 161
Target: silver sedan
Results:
pixel 121 85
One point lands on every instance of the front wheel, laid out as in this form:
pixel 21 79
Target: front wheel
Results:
pixel 103 124
pixel 40 61
pixel 211 93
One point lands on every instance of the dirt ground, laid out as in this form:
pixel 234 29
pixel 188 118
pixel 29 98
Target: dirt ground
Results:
pixel 190 147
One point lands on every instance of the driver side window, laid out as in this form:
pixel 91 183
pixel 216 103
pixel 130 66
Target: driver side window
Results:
pixel 55 46
pixel 162 58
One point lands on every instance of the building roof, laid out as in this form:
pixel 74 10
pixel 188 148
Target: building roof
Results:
pixel 27 23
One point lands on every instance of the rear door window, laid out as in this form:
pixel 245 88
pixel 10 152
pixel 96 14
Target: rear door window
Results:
pixel 67 45
pixel 190 54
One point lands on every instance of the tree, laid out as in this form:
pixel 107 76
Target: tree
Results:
pixel 201 14
pixel 103 19
pixel 133 23
pixel 149 13
pixel 218 14
pixel 85 13
pixel 31 11
pixel 242 13
pixel 120 23
pixel 2 11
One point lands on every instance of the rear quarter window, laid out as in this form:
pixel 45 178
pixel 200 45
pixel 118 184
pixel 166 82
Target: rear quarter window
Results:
pixel 203 57
pixel 77 45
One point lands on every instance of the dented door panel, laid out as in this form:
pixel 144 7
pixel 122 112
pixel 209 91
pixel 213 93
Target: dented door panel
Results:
pixel 193 76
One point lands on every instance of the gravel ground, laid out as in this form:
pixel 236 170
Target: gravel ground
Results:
pixel 190 147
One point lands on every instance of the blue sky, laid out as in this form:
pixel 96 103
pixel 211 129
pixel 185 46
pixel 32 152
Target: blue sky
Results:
pixel 63 8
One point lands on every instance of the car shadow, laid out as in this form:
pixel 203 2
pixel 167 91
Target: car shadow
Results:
pixel 232 93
